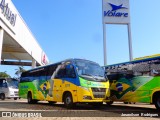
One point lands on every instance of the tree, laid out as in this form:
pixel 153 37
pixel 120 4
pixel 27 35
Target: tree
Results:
pixel 4 75
pixel 19 71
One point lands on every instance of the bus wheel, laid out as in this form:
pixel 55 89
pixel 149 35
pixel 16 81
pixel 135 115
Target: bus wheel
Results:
pixel 125 102
pixel 52 102
pixel 157 102
pixel 2 96
pixel 29 98
pixel 109 103
pixel 15 98
pixel 68 101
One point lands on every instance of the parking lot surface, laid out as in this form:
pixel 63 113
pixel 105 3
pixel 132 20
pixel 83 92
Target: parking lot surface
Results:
pixel 20 109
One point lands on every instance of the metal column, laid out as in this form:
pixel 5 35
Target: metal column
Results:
pixel 104 44
pixel 1 42
pixel 130 42
pixel 33 63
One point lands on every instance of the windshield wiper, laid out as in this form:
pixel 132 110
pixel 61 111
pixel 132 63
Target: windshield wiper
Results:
pixel 87 74
pixel 95 78
pixel 99 75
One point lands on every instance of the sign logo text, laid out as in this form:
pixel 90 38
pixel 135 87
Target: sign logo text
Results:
pixel 114 12
pixel 10 16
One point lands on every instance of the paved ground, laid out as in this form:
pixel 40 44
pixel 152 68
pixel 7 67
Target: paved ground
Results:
pixel 20 108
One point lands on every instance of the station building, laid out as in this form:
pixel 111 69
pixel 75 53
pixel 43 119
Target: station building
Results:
pixel 18 46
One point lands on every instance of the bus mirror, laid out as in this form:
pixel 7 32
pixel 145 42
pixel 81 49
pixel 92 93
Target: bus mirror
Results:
pixel 4 81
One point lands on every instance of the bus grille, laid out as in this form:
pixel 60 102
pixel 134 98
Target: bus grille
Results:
pixel 16 93
pixel 99 92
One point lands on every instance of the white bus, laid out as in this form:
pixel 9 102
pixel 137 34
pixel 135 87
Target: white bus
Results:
pixel 8 88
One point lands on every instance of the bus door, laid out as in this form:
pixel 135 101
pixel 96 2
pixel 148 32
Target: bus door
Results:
pixel 64 81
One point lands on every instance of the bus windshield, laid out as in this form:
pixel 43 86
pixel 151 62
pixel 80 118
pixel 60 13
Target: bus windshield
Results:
pixel 90 70
pixel 13 83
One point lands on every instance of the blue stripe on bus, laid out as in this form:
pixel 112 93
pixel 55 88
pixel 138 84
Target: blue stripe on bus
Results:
pixel 72 80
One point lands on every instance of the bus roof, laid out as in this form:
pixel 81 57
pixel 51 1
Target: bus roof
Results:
pixel 71 59
pixel 139 60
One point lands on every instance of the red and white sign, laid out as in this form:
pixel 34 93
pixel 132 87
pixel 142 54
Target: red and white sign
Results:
pixel 44 59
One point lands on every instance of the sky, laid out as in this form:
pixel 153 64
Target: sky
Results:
pixel 73 29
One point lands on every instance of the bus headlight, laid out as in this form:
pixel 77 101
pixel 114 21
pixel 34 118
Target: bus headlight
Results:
pixel 87 97
pixel 11 93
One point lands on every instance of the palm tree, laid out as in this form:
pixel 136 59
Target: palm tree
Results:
pixel 4 75
pixel 19 71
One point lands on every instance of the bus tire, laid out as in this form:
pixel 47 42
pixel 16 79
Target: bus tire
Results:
pixel 52 102
pixel 125 102
pixel 157 101
pixel 109 103
pixel 15 98
pixel 2 96
pixel 68 101
pixel 29 98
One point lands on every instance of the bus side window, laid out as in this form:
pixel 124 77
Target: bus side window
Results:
pixel 51 70
pixel 1 83
pixel 70 72
pixel 129 76
pixel 137 73
pixel 66 72
pixel 113 77
pixel 30 77
pixel 61 73
pixel 42 74
pixel 24 77
pixel 4 84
